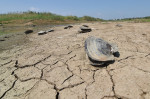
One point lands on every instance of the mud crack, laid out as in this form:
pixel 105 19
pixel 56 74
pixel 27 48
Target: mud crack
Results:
pixel 113 83
pixel 125 58
pixel 41 74
pixel 141 69
pixel 143 92
pixel 94 71
pixel 69 69
pixel 71 86
pixel 9 89
pixel 70 58
pixel 34 63
pixel 109 97
pixel 6 63
pixel 67 79
pixel 57 90
pixel 147 55
pixel 57 95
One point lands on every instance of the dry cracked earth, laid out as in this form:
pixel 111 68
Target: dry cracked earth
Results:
pixel 55 65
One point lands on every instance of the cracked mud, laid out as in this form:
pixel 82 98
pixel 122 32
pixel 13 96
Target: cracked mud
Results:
pixel 55 66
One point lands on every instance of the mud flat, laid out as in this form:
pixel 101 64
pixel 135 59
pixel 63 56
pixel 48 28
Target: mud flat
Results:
pixel 55 66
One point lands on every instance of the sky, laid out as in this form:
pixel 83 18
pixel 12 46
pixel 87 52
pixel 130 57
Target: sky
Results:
pixel 105 9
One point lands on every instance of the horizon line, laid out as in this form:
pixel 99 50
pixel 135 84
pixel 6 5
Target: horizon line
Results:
pixel 21 12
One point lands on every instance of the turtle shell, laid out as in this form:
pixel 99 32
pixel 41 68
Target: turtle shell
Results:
pixel 41 32
pixel 85 25
pixel 85 28
pixel 98 50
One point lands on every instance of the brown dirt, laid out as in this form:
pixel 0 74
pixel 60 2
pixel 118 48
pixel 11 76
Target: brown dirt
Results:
pixel 55 66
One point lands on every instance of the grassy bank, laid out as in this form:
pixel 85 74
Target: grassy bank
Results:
pixel 50 18
pixel 136 20
pixel 44 17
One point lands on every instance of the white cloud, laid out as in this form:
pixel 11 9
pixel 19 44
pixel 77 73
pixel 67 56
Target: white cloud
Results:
pixel 33 9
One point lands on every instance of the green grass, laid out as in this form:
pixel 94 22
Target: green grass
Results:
pixel 43 16
pixel 138 19
pixel 29 16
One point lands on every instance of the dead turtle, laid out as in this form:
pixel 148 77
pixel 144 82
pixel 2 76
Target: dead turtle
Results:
pixel 68 27
pixel 41 32
pixel 99 51
pixel 51 30
pixel 85 25
pixel 84 29
pixel 28 31
pixel 2 39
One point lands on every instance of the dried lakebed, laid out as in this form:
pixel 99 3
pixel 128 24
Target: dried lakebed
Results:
pixel 55 66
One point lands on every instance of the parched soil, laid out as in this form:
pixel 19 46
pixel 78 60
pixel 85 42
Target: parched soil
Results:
pixel 55 65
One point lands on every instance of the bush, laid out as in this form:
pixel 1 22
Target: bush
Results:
pixel 88 18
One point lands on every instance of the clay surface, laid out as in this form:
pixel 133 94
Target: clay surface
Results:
pixel 55 66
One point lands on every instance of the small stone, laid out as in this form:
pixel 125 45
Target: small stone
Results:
pixel 60 37
pixel 6 37
pixel 119 25
pixel 33 25
pixel 143 34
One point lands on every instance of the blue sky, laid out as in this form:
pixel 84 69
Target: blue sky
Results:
pixel 106 9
